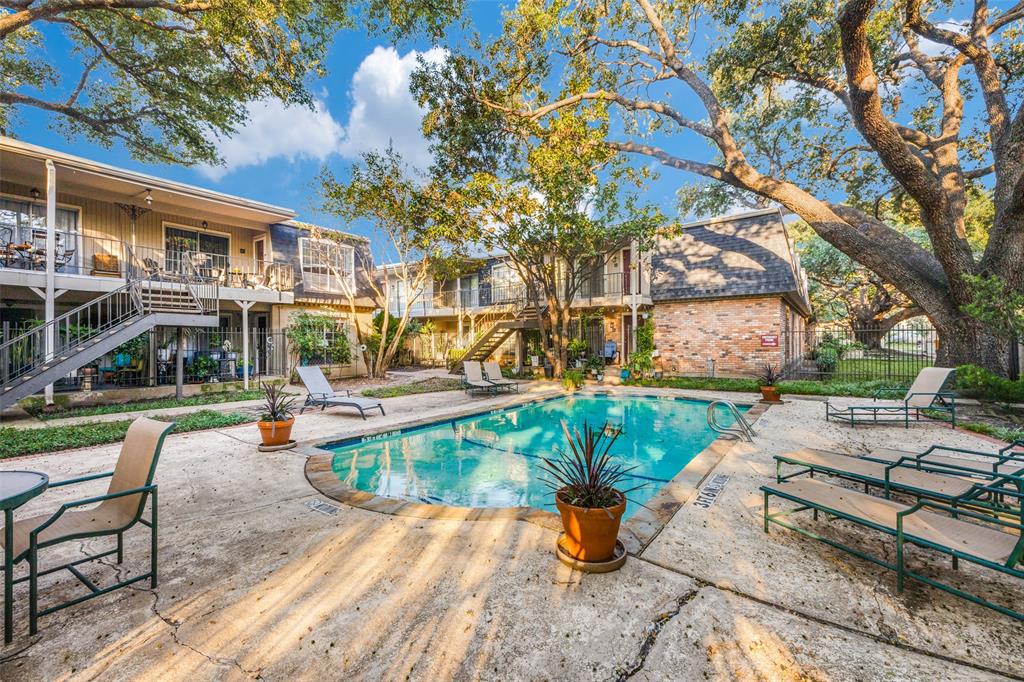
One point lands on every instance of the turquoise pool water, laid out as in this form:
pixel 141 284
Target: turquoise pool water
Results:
pixel 492 460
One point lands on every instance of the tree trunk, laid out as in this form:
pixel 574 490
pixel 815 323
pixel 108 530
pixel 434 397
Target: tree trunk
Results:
pixel 969 342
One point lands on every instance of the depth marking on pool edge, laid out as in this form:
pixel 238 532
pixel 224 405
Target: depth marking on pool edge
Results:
pixel 709 492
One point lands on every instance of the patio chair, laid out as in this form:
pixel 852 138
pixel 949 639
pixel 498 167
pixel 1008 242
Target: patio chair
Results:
pixel 924 394
pixel 323 395
pixel 993 543
pixel 1006 460
pixel 131 482
pixel 492 373
pixel 937 482
pixel 474 378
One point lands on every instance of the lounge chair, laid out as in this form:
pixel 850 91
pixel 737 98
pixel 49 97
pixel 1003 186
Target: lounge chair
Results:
pixel 474 378
pixel 990 542
pixel 131 482
pixel 925 394
pixel 492 373
pixel 1007 460
pixel 943 483
pixel 322 395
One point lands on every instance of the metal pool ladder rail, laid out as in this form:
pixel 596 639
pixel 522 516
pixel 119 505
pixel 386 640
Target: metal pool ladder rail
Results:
pixel 742 429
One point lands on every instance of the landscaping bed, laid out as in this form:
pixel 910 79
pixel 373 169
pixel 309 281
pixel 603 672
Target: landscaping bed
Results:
pixel 432 385
pixel 37 409
pixel 17 442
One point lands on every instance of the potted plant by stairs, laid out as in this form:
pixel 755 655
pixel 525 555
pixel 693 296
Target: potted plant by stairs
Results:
pixel 585 483
pixel 276 422
pixel 768 378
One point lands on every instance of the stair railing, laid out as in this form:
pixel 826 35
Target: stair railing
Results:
pixel 742 429
pixel 28 350
pixel 509 307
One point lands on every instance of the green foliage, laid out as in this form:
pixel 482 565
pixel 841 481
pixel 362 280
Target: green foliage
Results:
pixel 827 358
pixel 38 409
pixel 641 361
pixel 315 335
pixel 168 79
pixel 15 442
pixel 432 385
pixel 860 389
pixel 978 382
pixel 572 379
pixel 587 475
pixel 997 304
pixel 203 366
pixel 577 347
pixel 595 362
pixel 135 348
pixel 373 340
pixel 1005 433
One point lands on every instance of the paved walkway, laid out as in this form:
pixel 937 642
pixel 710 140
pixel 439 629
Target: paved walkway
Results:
pixel 255 584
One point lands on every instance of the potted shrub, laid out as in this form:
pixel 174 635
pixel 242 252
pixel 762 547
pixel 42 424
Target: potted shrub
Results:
pixel 768 378
pixel 276 422
pixel 585 483
pixel 596 365
pixel 572 379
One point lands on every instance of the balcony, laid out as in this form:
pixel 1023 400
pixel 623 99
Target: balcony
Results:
pixel 101 258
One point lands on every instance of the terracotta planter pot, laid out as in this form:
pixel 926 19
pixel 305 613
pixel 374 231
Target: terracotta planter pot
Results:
pixel 770 394
pixel 276 433
pixel 590 534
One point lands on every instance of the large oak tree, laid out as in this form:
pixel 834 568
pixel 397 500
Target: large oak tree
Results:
pixel 166 77
pixel 816 105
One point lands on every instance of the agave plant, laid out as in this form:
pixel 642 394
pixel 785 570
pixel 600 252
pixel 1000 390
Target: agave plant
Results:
pixel 586 475
pixel 277 404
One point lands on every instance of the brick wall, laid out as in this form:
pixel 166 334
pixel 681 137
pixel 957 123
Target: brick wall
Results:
pixel 688 333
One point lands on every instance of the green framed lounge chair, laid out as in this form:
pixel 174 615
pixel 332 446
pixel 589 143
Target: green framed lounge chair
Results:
pixel 947 483
pixel 924 395
pixel 131 484
pixel 1006 460
pixel 993 543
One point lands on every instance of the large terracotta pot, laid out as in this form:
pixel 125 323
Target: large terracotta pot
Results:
pixel 590 534
pixel 276 433
pixel 770 394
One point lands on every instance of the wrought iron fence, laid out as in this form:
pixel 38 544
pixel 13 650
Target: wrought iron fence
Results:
pixel 865 354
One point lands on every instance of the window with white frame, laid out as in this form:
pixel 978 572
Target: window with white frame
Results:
pixel 327 266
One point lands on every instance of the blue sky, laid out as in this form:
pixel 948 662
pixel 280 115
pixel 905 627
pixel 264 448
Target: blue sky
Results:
pixel 362 104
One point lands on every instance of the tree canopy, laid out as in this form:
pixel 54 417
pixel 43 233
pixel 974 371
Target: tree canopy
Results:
pixel 824 108
pixel 166 77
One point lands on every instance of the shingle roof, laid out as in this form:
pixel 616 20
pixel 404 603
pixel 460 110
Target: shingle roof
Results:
pixel 743 255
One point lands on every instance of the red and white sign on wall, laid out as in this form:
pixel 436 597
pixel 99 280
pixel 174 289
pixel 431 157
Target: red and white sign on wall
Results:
pixel 769 340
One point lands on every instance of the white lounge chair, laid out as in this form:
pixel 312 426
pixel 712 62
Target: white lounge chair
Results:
pixel 492 373
pixel 474 379
pixel 924 394
pixel 322 395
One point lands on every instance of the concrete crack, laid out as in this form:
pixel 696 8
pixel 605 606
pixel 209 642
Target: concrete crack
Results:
pixel 652 631
pixel 216 660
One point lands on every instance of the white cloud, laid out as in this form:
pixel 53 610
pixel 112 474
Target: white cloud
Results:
pixel 384 110
pixel 275 130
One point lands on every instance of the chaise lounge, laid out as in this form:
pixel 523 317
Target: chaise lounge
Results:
pixel 492 373
pixel 322 394
pixel 925 394
pixel 474 378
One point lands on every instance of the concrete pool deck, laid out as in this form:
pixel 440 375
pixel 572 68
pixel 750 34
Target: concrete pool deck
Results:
pixel 256 584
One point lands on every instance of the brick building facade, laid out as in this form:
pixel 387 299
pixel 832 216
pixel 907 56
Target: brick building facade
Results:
pixel 728 297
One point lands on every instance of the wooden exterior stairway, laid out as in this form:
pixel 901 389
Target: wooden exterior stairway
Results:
pixel 496 326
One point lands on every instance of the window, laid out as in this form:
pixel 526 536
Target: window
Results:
pixel 24 222
pixel 327 266
pixel 208 250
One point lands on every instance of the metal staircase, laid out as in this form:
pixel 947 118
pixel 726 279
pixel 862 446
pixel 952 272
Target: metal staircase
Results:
pixel 496 325
pixel 44 354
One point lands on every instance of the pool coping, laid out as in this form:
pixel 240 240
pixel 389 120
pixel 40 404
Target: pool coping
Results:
pixel 636 533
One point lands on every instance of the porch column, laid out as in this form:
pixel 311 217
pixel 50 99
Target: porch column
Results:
pixel 51 248
pixel 245 305
pixel 519 351
pixel 634 284
pixel 179 364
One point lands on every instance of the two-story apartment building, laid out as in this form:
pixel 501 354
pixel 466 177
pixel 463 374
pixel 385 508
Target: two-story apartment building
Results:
pixel 726 296
pixel 74 233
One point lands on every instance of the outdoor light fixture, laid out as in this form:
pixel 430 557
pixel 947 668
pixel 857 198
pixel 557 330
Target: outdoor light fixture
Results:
pixel 35 193
pixel 205 224
pixel 149 197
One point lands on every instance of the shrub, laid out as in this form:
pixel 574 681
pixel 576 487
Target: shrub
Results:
pixel 827 359
pixel 572 378
pixel 978 382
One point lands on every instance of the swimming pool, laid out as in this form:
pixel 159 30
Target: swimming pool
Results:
pixel 493 459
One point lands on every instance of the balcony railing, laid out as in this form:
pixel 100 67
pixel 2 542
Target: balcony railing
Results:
pixel 79 254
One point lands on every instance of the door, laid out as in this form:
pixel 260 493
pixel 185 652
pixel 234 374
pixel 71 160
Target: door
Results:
pixel 259 254
pixel 627 338
pixel 627 271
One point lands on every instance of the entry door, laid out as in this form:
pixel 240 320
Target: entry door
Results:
pixel 627 263
pixel 259 254
pixel 627 338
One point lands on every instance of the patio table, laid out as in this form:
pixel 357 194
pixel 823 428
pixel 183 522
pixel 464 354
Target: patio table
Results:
pixel 16 488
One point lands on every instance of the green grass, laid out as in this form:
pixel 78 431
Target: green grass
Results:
pixel 36 409
pixel 431 385
pixel 16 442
pixel 1006 433
pixel 880 368
pixel 862 389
